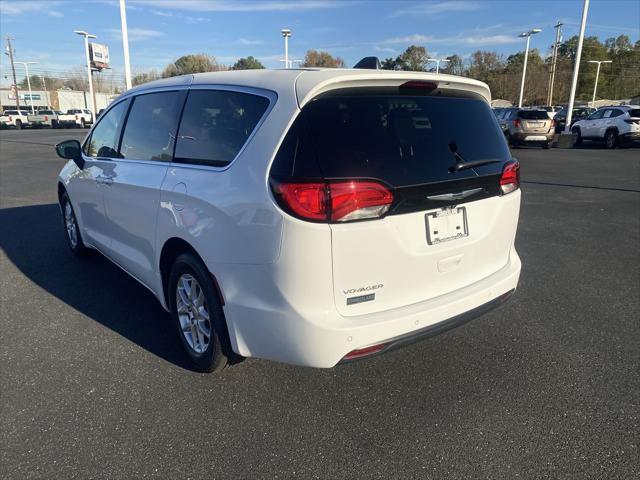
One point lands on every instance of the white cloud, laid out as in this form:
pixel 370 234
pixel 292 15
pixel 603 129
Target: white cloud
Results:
pixel 464 38
pixel 246 41
pixel 21 7
pixel 439 8
pixel 135 34
pixel 55 13
pixel 242 6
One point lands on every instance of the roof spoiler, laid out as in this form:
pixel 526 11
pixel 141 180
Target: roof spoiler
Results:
pixel 369 63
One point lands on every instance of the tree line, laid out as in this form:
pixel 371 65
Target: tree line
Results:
pixel 618 80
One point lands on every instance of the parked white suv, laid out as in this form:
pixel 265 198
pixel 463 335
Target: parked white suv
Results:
pixel 305 216
pixel 614 126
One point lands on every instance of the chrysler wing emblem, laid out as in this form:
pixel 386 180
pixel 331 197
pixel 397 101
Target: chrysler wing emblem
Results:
pixel 455 196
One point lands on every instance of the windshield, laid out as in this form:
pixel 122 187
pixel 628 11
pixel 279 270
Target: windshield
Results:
pixel 399 139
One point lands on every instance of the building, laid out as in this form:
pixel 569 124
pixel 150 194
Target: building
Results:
pixel 56 99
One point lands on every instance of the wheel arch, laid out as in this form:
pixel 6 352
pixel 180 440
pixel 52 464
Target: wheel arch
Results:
pixel 61 192
pixel 172 249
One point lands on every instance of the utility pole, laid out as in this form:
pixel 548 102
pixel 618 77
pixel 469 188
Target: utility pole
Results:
pixel 553 62
pixel 13 71
pixel 595 86
pixel 44 87
pixel 87 36
pixel 576 67
pixel 125 44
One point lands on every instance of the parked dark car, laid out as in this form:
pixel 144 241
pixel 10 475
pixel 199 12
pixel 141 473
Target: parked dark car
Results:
pixel 579 113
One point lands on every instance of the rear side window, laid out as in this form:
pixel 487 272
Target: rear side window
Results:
pixel 634 112
pixel 216 124
pixel 104 137
pixel 150 130
pixel 533 115
pixel 616 113
pixel 401 140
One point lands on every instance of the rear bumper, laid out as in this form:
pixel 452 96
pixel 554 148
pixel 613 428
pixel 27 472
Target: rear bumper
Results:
pixel 439 327
pixel 320 337
pixel 529 137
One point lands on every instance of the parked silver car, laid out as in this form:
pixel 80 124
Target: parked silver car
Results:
pixel 522 126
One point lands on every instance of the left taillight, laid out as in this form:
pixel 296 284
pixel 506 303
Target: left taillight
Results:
pixel 510 178
pixel 334 202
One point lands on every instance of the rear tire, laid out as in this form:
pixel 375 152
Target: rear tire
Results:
pixel 611 139
pixel 55 124
pixel 577 137
pixel 545 146
pixel 70 222
pixel 19 124
pixel 197 314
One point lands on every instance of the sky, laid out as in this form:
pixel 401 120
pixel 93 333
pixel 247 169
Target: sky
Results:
pixel 162 30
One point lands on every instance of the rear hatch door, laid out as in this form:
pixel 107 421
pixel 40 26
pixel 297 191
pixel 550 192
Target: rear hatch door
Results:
pixel 446 229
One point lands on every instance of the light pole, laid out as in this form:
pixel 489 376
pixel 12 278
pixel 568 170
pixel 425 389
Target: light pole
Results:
pixel 438 61
pixel 87 36
pixel 26 69
pixel 576 67
pixel 125 44
pixel 286 33
pixel 595 86
pixel 528 34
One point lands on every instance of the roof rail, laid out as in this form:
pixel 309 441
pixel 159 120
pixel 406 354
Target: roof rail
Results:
pixel 369 63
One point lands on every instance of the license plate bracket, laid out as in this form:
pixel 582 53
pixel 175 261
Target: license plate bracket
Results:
pixel 446 224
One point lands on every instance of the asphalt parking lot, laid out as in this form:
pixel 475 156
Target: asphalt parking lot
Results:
pixel 95 385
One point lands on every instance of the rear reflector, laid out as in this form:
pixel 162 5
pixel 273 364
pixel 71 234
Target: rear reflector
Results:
pixel 510 179
pixel 361 352
pixel 335 201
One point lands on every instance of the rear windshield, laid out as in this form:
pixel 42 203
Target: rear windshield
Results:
pixel 533 115
pixel 45 112
pixel 399 139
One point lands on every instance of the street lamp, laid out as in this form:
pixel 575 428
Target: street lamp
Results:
pixel 595 86
pixel 87 36
pixel 286 33
pixel 438 61
pixel 26 68
pixel 526 35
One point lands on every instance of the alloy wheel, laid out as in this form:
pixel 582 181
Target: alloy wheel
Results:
pixel 193 314
pixel 71 225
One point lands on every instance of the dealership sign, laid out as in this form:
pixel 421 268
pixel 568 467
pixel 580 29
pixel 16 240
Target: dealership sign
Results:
pixel 99 56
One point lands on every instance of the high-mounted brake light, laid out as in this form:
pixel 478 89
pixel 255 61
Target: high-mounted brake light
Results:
pixel 420 84
pixel 510 179
pixel 335 201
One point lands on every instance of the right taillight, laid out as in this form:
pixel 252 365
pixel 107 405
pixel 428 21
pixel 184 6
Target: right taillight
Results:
pixel 510 179
pixel 517 123
pixel 334 202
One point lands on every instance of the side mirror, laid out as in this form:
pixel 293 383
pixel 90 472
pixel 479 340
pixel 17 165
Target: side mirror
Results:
pixel 71 150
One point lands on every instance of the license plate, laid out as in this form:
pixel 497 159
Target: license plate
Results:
pixel 446 225
pixel 535 124
pixel 535 138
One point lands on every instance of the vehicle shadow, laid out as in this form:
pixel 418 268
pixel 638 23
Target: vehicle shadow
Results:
pixel 33 240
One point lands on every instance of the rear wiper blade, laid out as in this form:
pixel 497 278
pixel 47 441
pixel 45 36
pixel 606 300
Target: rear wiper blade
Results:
pixel 466 165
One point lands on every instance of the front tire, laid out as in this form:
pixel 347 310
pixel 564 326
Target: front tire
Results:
pixel 70 222
pixel 577 137
pixel 197 314
pixel 611 139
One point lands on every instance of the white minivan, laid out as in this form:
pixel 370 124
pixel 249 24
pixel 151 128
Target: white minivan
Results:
pixel 307 216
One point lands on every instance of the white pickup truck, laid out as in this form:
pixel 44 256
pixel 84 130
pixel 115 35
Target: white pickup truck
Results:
pixel 14 118
pixel 45 118
pixel 76 118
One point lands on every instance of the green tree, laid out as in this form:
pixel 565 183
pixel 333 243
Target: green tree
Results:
pixel 413 59
pixel 389 64
pixel 36 83
pixel 248 63
pixel 145 77
pixel 314 58
pixel 454 65
pixel 187 64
